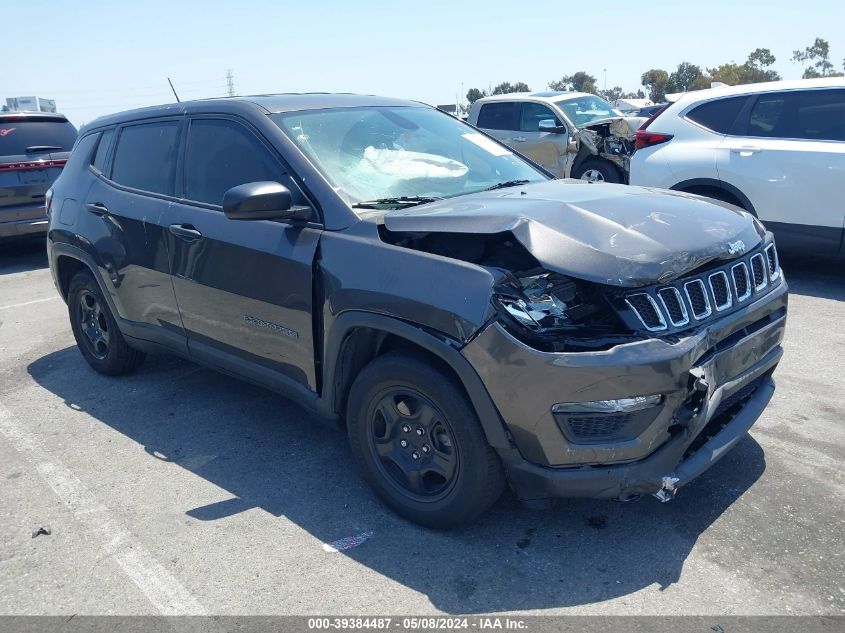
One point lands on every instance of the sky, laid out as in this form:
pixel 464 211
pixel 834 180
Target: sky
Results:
pixel 95 57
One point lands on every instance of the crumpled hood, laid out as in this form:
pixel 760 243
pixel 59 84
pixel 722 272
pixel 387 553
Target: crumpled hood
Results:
pixel 624 126
pixel 611 234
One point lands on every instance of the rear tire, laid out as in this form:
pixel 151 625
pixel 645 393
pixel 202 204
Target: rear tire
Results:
pixel 597 170
pixel 446 473
pixel 95 329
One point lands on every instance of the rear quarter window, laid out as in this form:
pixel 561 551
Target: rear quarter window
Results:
pixel 102 150
pixel 499 116
pixel 718 115
pixel 16 136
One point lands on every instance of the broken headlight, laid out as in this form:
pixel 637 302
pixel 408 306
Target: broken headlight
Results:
pixel 538 303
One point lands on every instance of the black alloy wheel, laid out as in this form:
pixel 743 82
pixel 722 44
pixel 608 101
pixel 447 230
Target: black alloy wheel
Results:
pixel 418 441
pixel 94 324
pixel 95 329
pixel 413 443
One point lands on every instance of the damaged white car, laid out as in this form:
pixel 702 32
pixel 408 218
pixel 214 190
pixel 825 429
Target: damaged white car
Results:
pixel 571 134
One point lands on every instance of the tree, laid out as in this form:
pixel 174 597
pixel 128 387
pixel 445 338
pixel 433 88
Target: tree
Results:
pixel 688 77
pixel 760 59
pixel 474 94
pixel 612 94
pixel 754 70
pixel 818 56
pixel 506 88
pixel 656 81
pixel 579 82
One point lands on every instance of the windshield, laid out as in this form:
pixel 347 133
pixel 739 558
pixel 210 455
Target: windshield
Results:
pixel 584 110
pixel 418 153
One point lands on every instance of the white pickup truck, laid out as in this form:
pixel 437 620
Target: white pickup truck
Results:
pixel 571 134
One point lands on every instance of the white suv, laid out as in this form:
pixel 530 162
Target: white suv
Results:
pixel 776 149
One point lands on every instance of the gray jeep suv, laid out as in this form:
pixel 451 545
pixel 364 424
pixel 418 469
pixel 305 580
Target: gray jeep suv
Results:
pixel 470 321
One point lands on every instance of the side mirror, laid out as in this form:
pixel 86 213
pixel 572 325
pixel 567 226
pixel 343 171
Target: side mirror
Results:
pixel 551 126
pixel 265 200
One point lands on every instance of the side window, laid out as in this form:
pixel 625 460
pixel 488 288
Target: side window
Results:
pixel 145 157
pixel 532 114
pixel 81 154
pixel 719 115
pixel 222 154
pixel 500 115
pixel 817 115
pixel 102 150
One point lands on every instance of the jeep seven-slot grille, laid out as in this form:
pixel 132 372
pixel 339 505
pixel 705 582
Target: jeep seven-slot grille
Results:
pixel 690 301
pixel 721 292
pixel 674 305
pixel 647 310
pixel 774 265
pixel 742 283
pixel 758 271
pixel 698 299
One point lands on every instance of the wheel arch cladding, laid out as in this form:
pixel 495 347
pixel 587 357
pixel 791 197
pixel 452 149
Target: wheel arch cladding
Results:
pixel 67 267
pixel 700 186
pixel 357 338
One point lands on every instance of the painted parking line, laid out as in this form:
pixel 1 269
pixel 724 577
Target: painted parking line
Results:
pixel 160 587
pixel 27 303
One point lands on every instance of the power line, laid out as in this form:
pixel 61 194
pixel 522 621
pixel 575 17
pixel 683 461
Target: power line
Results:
pixel 230 82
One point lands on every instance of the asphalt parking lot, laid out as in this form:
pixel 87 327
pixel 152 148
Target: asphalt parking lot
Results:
pixel 179 490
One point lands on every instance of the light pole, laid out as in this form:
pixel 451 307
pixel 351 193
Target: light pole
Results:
pixel 605 80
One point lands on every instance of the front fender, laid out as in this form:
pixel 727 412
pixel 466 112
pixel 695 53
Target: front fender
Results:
pixel 442 347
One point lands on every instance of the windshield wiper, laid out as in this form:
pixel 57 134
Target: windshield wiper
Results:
pixel 507 183
pixel 403 201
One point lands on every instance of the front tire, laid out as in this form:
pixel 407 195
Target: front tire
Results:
pixel 95 329
pixel 597 170
pixel 419 443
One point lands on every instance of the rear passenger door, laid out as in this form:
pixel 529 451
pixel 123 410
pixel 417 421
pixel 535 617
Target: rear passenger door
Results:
pixel 788 158
pixel 500 119
pixel 244 288
pixel 124 211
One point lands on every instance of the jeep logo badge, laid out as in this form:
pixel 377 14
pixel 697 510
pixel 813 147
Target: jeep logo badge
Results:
pixel 736 247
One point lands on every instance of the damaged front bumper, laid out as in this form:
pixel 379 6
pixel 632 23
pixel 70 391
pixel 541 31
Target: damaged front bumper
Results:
pixel 710 387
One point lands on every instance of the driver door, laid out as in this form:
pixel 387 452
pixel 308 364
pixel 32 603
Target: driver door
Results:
pixel 244 287
pixel 548 149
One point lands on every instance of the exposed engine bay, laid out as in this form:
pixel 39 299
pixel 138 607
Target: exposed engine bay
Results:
pixel 548 310
pixel 613 140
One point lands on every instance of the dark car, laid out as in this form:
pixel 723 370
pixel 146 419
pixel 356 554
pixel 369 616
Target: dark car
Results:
pixel 650 111
pixel 34 147
pixel 469 320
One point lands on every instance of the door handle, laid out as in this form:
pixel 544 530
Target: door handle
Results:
pixel 97 208
pixel 746 150
pixel 186 232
